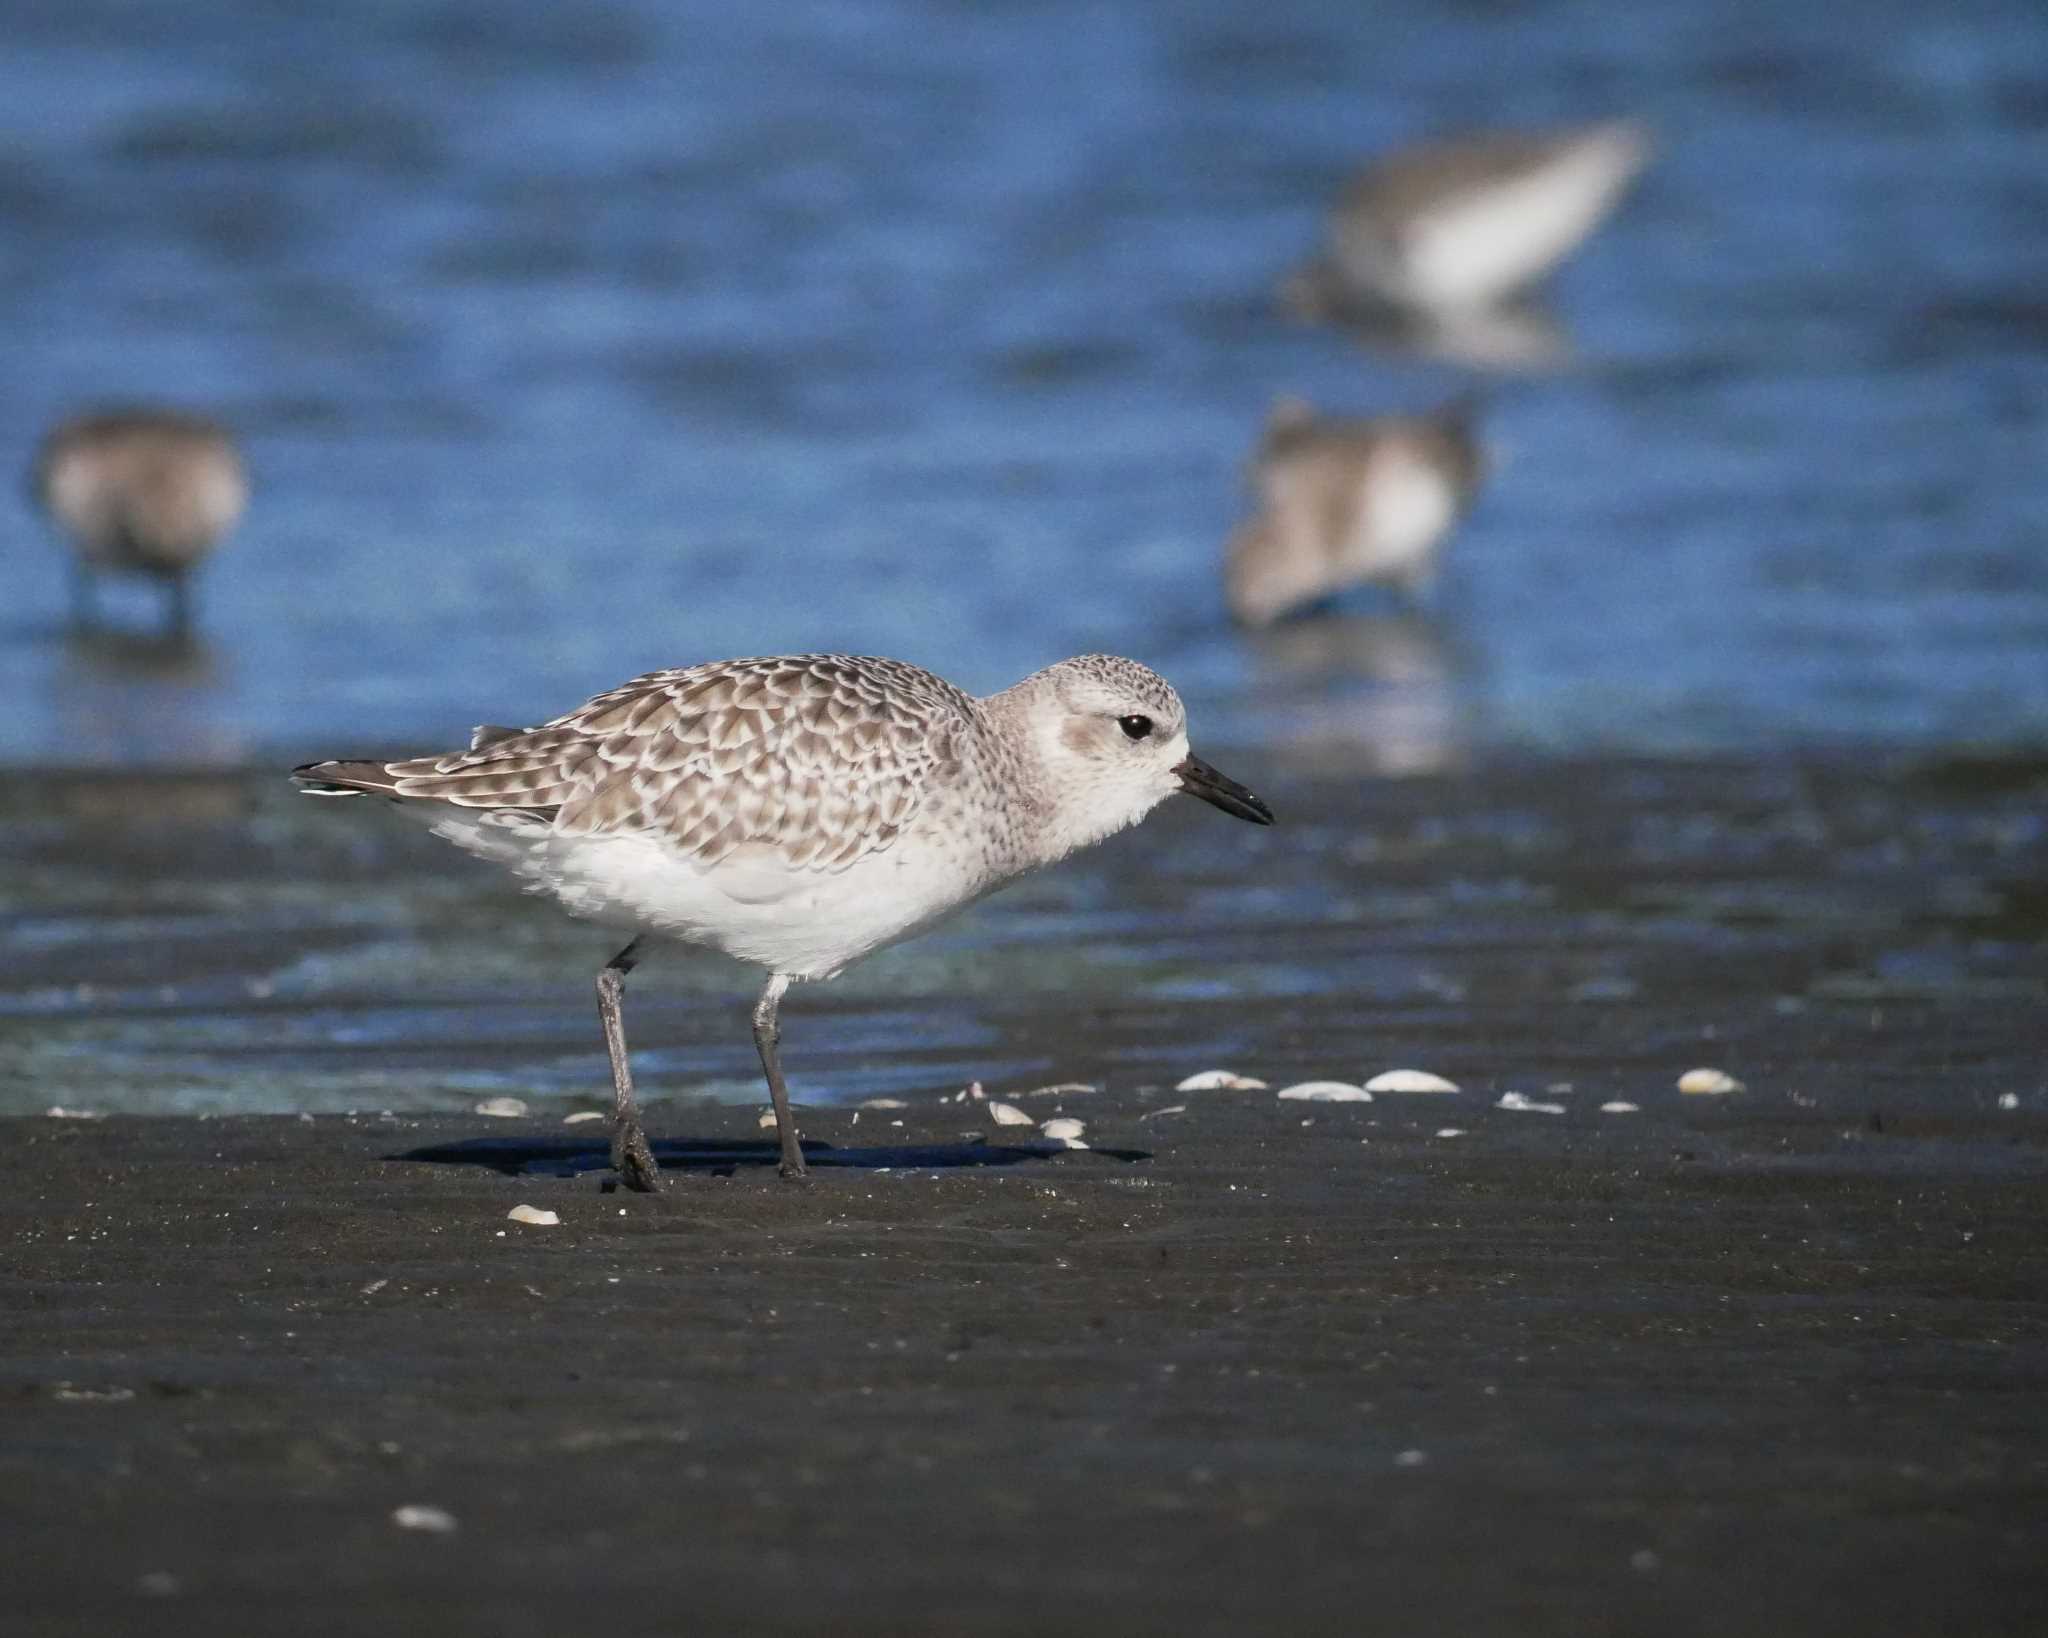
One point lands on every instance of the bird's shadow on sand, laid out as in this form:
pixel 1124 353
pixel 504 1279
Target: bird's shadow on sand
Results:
pixel 528 1157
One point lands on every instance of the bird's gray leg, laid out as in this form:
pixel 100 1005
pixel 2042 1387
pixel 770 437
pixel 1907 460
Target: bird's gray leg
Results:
pixel 178 596
pixel 631 1157
pixel 85 602
pixel 767 1035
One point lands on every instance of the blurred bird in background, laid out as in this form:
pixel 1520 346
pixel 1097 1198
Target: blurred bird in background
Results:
pixel 1344 503
pixel 145 491
pixel 1467 225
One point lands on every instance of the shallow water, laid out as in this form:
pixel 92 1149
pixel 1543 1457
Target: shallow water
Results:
pixel 1824 931
pixel 568 342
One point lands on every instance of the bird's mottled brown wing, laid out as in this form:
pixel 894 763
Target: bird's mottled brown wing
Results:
pixel 822 757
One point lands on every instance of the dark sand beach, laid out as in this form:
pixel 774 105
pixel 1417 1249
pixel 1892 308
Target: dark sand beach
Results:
pixel 1768 1361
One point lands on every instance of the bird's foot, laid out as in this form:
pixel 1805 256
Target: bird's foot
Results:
pixel 793 1167
pixel 634 1161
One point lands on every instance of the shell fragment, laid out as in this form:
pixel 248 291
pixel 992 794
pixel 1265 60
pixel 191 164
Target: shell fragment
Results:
pixel 1528 1105
pixel 1708 1082
pixel 435 1521
pixel 533 1215
pixel 1409 1080
pixel 1007 1114
pixel 1220 1080
pixel 1324 1092
pixel 502 1108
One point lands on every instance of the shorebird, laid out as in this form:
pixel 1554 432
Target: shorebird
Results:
pixel 1468 224
pixel 1346 503
pixel 143 491
pixel 797 812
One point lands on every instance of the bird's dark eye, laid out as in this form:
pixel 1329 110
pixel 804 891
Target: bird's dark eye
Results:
pixel 1135 727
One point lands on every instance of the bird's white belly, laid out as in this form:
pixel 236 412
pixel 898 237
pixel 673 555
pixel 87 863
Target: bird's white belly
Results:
pixel 751 905
pixel 1408 506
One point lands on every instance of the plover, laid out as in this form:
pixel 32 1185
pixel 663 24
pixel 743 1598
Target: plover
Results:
pixel 144 491
pixel 1346 503
pixel 797 812
pixel 1469 223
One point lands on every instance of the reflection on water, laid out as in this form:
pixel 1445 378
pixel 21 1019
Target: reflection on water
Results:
pixel 1516 339
pixel 1386 693
pixel 124 697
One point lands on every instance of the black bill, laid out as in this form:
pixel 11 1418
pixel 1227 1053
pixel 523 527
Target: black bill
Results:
pixel 1197 778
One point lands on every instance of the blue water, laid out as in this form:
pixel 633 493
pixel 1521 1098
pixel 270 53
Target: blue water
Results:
pixel 569 341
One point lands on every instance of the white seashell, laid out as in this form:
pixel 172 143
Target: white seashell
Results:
pixel 1325 1092
pixel 1409 1080
pixel 1170 1109
pixel 1066 1130
pixel 1220 1080
pixel 502 1108
pixel 1064 1088
pixel 1618 1107
pixel 57 1111
pixel 1528 1105
pixel 1450 1131
pixel 581 1116
pixel 2006 1100
pixel 1708 1081
pixel 767 1118
pixel 1007 1114
pixel 436 1521
pixel 533 1215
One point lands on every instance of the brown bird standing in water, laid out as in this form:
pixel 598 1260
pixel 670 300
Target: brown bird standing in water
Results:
pixel 1347 503
pixel 140 491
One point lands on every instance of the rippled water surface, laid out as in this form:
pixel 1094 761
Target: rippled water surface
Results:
pixel 1829 932
pixel 569 341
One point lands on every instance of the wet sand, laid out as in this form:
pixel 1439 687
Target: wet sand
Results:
pixel 1772 1361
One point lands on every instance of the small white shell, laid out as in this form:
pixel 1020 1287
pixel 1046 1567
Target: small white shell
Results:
pixel 1007 1114
pixel 1220 1080
pixel 502 1108
pixel 1707 1082
pixel 1618 1107
pixel 1409 1080
pixel 57 1111
pixel 581 1116
pixel 767 1119
pixel 1325 1092
pixel 1065 1129
pixel 533 1215
pixel 437 1521
pixel 1450 1131
pixel 2006 1100
pixel 1528 1105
